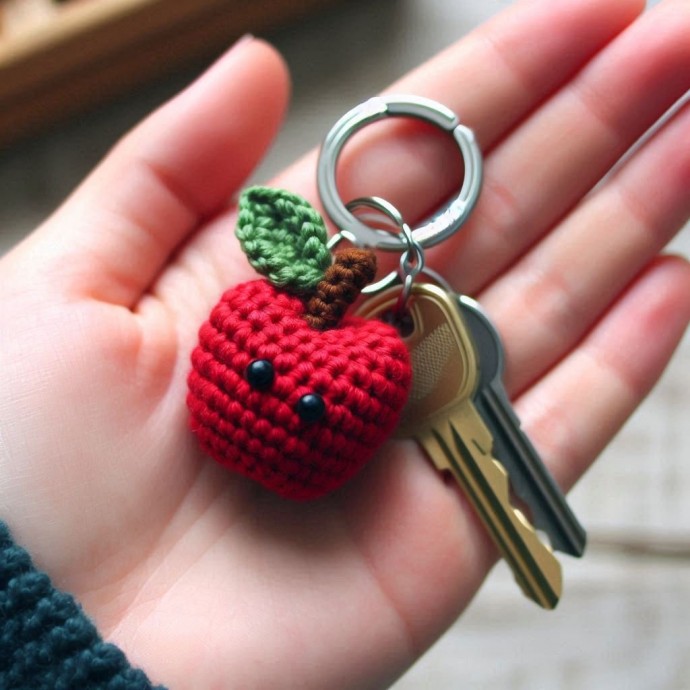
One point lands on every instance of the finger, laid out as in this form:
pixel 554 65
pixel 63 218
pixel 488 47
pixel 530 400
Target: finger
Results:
pixel 573 412
pixel 175 169
pixel 553 159
pixel 570 415
pixel 563 285
pixel 493 78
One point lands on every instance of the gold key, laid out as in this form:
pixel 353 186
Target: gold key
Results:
pixel 441 416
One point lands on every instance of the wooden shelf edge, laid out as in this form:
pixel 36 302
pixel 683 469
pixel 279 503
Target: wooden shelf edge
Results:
pixel 54 84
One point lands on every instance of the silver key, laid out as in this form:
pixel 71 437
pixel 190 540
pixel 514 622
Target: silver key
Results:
pixel 529 478
pixel 440 414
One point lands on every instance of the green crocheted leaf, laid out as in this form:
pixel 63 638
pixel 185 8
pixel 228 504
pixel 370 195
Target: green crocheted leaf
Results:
pixel 284 237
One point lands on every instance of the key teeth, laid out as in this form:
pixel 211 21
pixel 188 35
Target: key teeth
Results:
pixel 549 598
pixel 519 513
pixel 545 568
pixel 548 602
pixel 535 485
pixel 529 478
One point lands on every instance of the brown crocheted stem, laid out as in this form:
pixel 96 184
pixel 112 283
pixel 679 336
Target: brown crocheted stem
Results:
pixel 342 282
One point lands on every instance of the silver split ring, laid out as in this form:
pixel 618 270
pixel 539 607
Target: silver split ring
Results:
pixel 444 222
pixel 411 262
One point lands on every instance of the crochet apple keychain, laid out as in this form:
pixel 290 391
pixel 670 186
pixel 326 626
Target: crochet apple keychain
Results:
pixel 285 388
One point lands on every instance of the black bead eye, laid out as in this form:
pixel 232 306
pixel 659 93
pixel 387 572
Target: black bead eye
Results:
pixel 260 374
pixel 311 408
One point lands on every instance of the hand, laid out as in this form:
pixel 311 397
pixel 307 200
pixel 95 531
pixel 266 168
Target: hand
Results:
pixel 204 579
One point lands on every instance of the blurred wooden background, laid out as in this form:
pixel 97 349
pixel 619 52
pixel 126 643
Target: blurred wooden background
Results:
pixel 623 622
pixel 59 56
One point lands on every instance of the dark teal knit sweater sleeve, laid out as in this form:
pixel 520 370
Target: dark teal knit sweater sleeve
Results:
pixel 46 641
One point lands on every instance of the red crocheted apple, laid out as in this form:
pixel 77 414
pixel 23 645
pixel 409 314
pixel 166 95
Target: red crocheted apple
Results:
pixel 286 389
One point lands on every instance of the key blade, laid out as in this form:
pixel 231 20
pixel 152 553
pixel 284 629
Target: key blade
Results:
pixel 530 479
pixel 485 482
pixel 441 416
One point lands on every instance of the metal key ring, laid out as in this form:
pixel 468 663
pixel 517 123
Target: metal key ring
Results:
pixel 443 223
pixel 408 270
pixel 375 203
pixel 411 258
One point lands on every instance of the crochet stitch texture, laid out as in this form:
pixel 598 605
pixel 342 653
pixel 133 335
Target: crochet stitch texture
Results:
pixel 340 286
pixel 283 236
pixel 361 370
pixel 46 641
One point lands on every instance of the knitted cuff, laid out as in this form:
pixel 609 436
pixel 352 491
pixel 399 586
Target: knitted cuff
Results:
pixel 46 641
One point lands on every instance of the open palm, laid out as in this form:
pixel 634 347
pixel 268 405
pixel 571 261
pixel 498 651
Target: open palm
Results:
pixel 203 578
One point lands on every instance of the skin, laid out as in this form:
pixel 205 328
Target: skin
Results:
pixel 205 580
